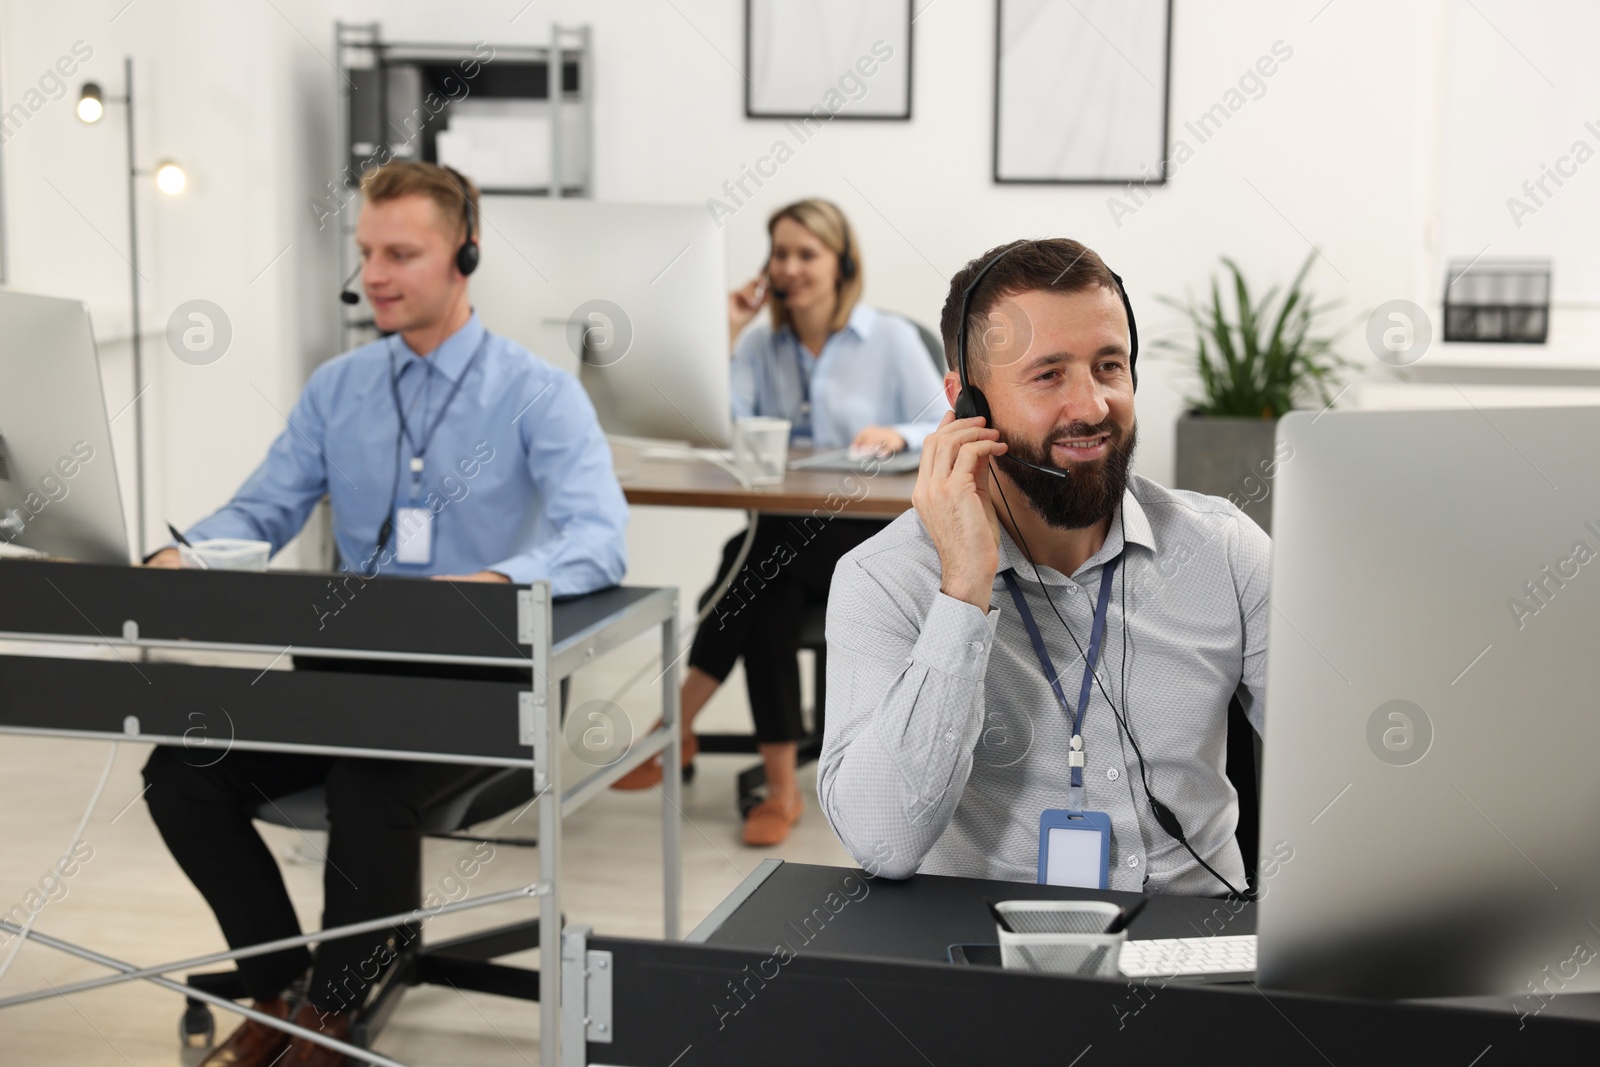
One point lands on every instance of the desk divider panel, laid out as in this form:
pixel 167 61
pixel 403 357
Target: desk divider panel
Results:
pixel 279 608
pixel 275 608
pixel 737 1007
pixel 225 705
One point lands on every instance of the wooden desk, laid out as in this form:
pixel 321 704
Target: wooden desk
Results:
pixel 695 483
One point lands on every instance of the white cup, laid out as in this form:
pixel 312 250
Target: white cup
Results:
pixel 761 448
pixel 226 554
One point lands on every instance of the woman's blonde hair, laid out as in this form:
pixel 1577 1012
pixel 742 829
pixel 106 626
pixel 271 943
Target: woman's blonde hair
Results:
pixel 828 224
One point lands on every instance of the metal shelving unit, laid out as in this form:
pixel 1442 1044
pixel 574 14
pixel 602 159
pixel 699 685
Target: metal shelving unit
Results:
pixel 397 97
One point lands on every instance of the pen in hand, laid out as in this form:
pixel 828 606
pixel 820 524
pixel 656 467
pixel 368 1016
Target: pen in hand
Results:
pixel 177 536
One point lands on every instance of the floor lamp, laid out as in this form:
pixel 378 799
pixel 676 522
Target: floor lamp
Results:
pixel 171 180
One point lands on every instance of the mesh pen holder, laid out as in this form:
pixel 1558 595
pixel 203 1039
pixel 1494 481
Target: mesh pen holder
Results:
pixel 1060 937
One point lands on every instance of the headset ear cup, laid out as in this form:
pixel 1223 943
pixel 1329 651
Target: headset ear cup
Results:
pixel 467 258
pixel 847 266
pixel 971 402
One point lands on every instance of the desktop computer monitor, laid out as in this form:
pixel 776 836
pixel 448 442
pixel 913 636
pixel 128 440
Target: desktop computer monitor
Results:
pixel 1431 720
pixel 633 298
pixel 58 478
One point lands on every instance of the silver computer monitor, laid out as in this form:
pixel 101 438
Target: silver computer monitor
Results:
pixel 58 478
pixel 631 297
pixel 1433 705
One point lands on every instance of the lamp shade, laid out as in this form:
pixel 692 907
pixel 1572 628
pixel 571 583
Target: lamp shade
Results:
pixel 91 106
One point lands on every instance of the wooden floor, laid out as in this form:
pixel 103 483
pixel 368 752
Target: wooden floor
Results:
pixel 131 902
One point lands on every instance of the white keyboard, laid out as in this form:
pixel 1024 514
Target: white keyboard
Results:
pixel 1191 959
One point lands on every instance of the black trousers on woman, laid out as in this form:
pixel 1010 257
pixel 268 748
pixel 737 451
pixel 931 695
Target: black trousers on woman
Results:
pixel 789 568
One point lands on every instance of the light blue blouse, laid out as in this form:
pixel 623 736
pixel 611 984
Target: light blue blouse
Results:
pixel 874 372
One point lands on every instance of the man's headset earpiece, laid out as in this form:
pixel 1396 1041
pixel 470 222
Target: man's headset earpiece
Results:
pixel 467 256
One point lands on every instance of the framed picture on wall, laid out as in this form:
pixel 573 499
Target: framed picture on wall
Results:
pixel 1081 91
pixel 823 59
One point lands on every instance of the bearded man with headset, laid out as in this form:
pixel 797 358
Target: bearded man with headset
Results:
pixel 960 739
pixel 446 452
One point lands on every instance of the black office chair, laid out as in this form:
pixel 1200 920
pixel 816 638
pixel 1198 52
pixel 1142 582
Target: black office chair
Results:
pixel 1243 768
pixel 931 342
pixel 465 962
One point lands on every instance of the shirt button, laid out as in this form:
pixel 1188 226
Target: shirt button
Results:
pixel 976 646
pixel 950 735
pixel 1113 774
pixel 1133 861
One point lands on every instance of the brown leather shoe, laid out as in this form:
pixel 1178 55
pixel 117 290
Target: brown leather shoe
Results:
pixel 768 822
pixel 253 1044
pixel 303 1053
pixel 648 774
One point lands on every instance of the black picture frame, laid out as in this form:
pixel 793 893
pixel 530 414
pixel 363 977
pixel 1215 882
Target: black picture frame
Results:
pixel 749 81
pixel 1163 170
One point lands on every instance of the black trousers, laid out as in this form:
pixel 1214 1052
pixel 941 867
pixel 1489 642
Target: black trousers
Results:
pixel 789 568
pixel 374 857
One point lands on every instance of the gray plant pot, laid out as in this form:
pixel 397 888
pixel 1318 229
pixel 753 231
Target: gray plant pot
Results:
pixel 1230 458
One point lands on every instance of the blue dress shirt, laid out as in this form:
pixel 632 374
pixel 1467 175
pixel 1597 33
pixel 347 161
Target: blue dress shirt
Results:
pixel 874 372
pixel 518 476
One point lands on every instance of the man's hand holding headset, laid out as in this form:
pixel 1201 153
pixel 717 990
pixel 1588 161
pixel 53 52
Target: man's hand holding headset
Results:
pixel 952 499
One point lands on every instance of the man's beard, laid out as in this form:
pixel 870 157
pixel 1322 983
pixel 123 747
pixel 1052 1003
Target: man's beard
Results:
pixel 1090 492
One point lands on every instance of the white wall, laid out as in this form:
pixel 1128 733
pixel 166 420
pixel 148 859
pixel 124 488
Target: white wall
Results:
pixel 1346 150
pixel 1521 100
pixel 222 89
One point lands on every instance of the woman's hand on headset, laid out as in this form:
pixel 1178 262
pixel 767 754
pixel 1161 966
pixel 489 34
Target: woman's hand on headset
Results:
pixel 952 499
pixel 744 303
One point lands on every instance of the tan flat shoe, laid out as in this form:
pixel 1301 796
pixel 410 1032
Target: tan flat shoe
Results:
pixel 768 823
pixel 648 774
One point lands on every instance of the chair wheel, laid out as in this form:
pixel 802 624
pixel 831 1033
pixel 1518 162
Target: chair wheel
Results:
pixel 197 1034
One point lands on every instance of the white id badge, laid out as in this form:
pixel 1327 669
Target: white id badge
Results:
pixel 1075 849
pixel 414 536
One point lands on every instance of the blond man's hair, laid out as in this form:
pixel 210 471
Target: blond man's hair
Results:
pixel 828 224
pixel 445 186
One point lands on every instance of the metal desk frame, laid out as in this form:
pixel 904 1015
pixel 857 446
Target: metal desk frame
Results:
pixel 538 728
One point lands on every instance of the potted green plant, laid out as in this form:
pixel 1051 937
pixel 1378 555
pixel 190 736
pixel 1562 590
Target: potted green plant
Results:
pixel 1254 362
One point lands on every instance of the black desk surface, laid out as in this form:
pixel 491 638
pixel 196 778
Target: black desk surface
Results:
pixel 919 918
pixel 827 965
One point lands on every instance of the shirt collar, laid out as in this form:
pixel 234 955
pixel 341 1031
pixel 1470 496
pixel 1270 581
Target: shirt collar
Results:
pixel 1131 514
pixel 861 322
pixel 450 358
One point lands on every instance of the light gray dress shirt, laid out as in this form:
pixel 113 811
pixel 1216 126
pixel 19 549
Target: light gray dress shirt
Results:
pixel 944 742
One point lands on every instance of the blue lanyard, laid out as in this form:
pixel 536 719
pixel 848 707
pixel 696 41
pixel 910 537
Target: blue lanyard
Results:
pixel 419 452
pixel 1096 633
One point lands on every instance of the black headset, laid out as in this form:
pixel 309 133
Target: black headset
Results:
pixel 971 402
pixel 467 255
pixel 847 260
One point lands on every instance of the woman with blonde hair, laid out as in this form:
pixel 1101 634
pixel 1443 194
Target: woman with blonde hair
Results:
pixel 843 374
